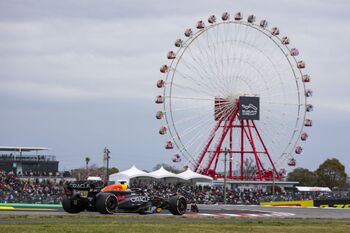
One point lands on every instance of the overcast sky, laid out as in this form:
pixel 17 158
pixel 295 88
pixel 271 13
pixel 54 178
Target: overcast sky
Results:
pixel 76 76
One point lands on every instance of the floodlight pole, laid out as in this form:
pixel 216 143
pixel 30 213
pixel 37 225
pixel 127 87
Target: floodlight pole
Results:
pixel 273 186
pixel 225 175
pixel 106 154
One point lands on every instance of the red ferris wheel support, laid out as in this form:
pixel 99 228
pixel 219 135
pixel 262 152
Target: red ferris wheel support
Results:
pixel 248 133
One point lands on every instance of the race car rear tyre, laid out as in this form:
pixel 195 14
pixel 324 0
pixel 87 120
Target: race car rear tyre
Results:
pixel 177 205
pixel 69 207
pixel 106 203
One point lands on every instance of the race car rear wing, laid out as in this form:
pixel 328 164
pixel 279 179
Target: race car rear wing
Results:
pixel 85 185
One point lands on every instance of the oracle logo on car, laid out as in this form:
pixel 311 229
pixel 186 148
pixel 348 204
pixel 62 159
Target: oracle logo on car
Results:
pixel 79 186
pixel 139 199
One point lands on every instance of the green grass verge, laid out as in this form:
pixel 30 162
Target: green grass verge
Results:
pixel 166 224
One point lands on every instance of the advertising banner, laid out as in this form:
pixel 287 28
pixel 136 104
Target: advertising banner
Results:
pixel 307 203
pixel 336 203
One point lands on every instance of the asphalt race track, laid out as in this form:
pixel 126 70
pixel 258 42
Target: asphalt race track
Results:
pixel 214 210
pixel 299 212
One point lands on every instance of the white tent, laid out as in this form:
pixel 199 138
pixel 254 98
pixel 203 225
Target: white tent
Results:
pixel 194 177
pixel 131 173
pixel 161 173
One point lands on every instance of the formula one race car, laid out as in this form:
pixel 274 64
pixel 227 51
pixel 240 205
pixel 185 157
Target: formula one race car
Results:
pixel 93 196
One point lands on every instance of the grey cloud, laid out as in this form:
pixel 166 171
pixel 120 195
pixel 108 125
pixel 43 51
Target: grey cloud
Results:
pixel 80 71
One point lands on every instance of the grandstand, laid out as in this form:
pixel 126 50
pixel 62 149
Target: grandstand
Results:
pixel 28 161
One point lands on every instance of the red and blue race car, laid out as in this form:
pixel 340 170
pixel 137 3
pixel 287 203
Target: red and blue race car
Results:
pixel 93 196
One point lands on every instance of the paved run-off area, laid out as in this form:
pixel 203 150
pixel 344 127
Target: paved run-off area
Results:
pixel 204 211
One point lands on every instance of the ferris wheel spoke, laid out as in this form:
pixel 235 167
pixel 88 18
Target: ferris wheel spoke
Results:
pixel 249 44
pixel 203 121
pixel 211 62
pixel 220 110
pixel 277 134
pixel 193 67
pixel 192 89
pixel 216 55
pixel 283 87
pixel 223 111
pixel 199 61
pixel 186 109
pixel 210 76
pixel 279 94
pixel 191 118
pixel 197 82
pixel 237 64
pixel 189 98
pixel 280 103
pixel 247 61
pixel 241 51
pixel 232 46
pixel 199 74
pixel 193 63
pixel 197 137
pixel 251 66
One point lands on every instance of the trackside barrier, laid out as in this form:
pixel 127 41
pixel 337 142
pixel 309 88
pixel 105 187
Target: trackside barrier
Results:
pixel 307 203
pixel 335 203
pixel 24 205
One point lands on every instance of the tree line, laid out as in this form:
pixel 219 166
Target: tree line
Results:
pixel 331 173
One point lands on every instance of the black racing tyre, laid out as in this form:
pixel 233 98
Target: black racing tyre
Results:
pixel 106 203
pixel 69 207
pixel 177 205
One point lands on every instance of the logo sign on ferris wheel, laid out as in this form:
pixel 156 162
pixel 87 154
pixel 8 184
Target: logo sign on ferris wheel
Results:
pixel 249 108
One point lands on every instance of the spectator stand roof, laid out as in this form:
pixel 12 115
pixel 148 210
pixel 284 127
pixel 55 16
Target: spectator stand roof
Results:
pixel 21 148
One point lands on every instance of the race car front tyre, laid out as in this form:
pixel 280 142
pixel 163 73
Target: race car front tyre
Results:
pixel 69 207
pixel 177 205
pixel 106 203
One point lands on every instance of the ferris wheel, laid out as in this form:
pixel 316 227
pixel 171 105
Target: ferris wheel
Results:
pixel 235 91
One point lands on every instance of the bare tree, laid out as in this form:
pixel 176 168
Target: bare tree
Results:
pixel 250 168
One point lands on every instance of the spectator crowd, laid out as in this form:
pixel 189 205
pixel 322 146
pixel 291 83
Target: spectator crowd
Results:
pixel 238 196
pixel 21 190
pixel 15 190
pixel 203 194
